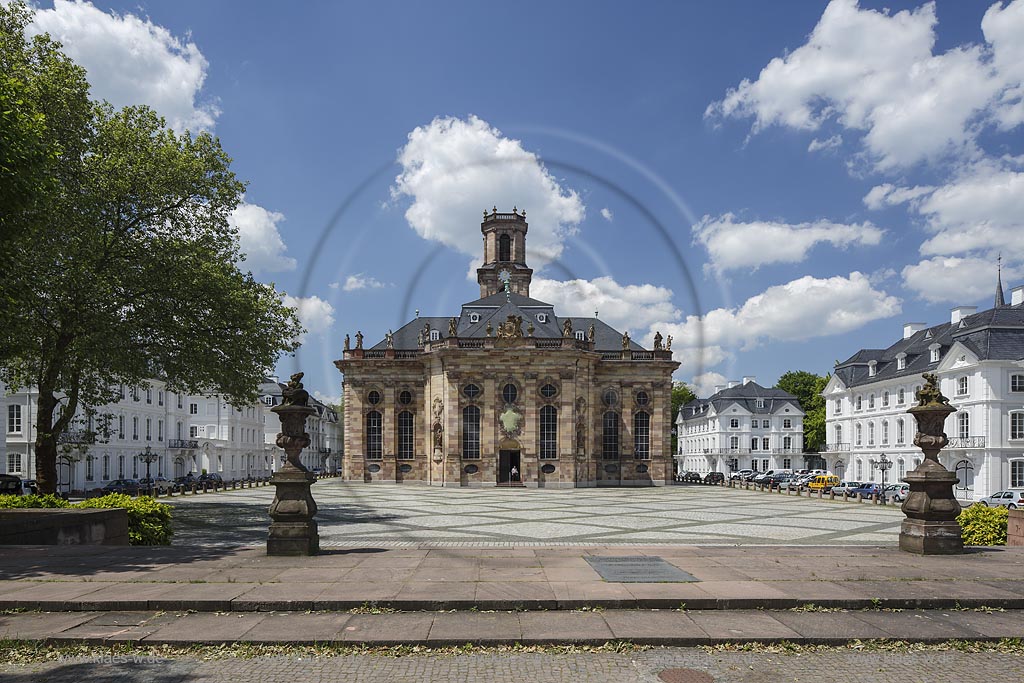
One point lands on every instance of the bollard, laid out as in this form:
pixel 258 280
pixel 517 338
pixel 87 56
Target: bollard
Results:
pixel 819 494
pixel 831 494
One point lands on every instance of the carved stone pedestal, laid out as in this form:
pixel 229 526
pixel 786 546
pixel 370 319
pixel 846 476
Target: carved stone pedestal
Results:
pixel 293 531
pixel 931 508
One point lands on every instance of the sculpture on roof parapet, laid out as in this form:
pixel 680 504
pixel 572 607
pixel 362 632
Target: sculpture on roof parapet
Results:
pixel 658 341
pixel 348 342
pixel 625 341
pixel 359 339
pixel 389 340
pixel 453 327
pixel 567 328
pixel 591 332
pixel 668 345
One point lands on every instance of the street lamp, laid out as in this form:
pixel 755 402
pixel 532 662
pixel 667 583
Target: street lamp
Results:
pixel 149 457
pixel 883 463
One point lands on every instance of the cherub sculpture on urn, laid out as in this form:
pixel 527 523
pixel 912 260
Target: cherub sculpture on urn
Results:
pixel 293 530
pixel 931 508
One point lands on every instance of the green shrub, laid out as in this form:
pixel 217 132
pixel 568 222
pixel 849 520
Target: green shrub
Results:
pixel 35 501
pixel 983 525
pixel 149 522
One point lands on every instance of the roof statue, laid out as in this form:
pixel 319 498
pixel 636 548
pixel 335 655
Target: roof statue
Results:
pixel 657 341
pixel 389 340
pixel 567 328
pixel 359 339
pixel 625 341
pixel 453 327
pixel 348 342
pixel 591 332
pixel 668 344
pixel 512 328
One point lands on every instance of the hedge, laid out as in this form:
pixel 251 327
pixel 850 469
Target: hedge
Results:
pixel 149 522
pixel 982 525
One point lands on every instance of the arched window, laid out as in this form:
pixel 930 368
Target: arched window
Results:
pixel 471 433
pixel 504 248
pixel 859 431
pixel 901 396
pixel 885 399
pixel 405 435
pixel 963 425
pixel 610 438
pixel 548 433
pixel 901 431
pixel 374 436
pixel 901 469
pixel 885 432
pixel 642 436
pixel 871 433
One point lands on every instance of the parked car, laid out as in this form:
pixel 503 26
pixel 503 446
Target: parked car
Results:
pixel 12 485
pixel 866 490
pixel 129 486
pixel 799 481
pixel 210 478
pixel 763 476
pixel 30 485
pixel 823 482
pixel 896 493
pixel 777 479
pixel 185 482
pixel 714 478
pixel 741 475
pixel 846 487
pixel 160 484
pixel 691 477
pixel 1011 498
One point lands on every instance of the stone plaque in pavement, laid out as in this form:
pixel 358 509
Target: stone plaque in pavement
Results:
pixel 637 569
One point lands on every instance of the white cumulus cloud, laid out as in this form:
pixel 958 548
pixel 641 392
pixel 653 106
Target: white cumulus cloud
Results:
pixel 259 238
pixel 607 214
pixel 828 144
pixel 131 60
pixel 876 73
pixel 360 281
pixel 315 314
pixel 624 307
pixel 956 280
pixel 703 385
pixel 733 244
pixel 887 194
pixel 454 169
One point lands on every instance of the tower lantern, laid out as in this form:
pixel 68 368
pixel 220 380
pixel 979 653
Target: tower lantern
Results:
pixel 504 253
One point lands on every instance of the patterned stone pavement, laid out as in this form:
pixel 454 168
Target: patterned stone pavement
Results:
pixel 362 514
pixel 502 667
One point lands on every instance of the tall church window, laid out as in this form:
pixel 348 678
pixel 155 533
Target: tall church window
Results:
pixel 374 436
pixel 405 435
pixel 548 433
pixel 471 433
pixel 504 248
pixel 642 435
pixel 610 440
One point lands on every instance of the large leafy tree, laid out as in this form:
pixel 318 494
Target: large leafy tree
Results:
pixel 681 395
pixel 126 271
pixel 807 387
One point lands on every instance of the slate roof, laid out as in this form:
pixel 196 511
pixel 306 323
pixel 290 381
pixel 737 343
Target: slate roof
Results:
pixel 744 395
pixel 495 310
pixel 994 334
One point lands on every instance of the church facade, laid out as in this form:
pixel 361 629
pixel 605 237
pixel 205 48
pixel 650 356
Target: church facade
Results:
pixel 507 393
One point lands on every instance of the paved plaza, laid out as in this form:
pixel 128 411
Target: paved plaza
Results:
pixel 390 515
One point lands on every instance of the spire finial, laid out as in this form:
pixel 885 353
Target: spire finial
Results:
pixel 1000 301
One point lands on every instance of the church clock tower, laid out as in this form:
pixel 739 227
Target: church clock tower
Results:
pixel 504 253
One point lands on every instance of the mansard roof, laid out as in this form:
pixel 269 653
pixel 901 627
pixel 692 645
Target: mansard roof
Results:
pixel 746 396
pixel 994 334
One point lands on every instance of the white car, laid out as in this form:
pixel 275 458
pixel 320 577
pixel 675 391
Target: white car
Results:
pixel 896 493
pixel 845 487
pixel 1011 498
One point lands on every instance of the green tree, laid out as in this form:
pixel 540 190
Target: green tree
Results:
pixel 681 395
pixel 807 387
pixel 127 271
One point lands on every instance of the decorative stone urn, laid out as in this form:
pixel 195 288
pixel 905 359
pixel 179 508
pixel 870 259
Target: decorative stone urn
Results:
pixel 931 508
pixel 293 530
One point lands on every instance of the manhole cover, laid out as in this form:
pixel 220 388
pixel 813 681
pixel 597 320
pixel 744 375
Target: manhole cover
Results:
pixel 638 569
pixel 685 676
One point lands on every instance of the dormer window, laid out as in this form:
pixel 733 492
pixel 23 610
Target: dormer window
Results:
pixel 901 362
pixel 474 317
pixel 542 317
pixel 435 335
pixel 580 336
pixel 760 403
pixel 872 368
pixel 934 350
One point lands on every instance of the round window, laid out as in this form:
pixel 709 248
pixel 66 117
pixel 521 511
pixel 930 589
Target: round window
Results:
pixel 405 398
pixel 548 390
pixel 641 469
pixel 374 468
pixel 510 393
pixel 642 398
pixel 610 398
pixel 472 469
pixel 405 469
pixel 373 398
pixel 471 391
pixel 548 469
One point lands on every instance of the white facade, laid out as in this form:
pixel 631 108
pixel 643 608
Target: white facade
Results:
pixel 324 429
pixel 188 434
pixel 980 365
pixel 742 426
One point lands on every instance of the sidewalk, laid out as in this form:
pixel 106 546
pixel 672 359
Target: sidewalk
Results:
pixel 98 578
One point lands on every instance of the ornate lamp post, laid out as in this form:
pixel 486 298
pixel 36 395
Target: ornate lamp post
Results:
pixel 884 464
pixel 931 508
pixel 149 457
pixel 293 530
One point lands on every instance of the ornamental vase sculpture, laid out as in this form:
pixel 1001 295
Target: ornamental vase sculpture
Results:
pixel 293 530
pixel 931 508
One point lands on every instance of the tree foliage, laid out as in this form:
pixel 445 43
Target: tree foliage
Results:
pixel 681 395
pixel 126 270
pixel 807 387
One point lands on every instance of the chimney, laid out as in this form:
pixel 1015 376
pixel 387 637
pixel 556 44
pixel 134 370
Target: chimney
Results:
pixel 961 312
pixel 747 379
pixel 733 383
pixel 273 378
pixel 719 387
pixel 1017 296
pixel 910 329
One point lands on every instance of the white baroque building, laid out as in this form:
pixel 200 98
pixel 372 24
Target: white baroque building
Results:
pixel 979 360
pixel 741 426
pixel 324 429
pixel 187 433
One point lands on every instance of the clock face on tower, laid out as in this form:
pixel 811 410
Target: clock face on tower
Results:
pixel 504 275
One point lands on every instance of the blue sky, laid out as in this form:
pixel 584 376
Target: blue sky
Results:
pixel 819 172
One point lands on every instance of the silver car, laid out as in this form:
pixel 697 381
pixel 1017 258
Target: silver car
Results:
pixel 1011 498
pixel 896 493
pixel 845 487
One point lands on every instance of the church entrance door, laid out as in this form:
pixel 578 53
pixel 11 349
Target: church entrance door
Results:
pixel 507 460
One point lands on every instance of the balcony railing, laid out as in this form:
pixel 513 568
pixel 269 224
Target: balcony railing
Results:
pixel 967 442
pixel 182 443
pixel 835 447
pixel 787 451
pixel 77 436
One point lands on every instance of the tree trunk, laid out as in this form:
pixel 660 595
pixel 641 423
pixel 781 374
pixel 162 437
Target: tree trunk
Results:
pixel 46 443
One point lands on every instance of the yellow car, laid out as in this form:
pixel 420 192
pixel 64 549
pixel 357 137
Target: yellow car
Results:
pixel 823 483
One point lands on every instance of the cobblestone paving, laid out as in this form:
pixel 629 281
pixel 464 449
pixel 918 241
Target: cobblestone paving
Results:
pixel 374 513
pixel 600 667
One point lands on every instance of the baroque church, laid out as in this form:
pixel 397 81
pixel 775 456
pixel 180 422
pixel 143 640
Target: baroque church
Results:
pixel 508 393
